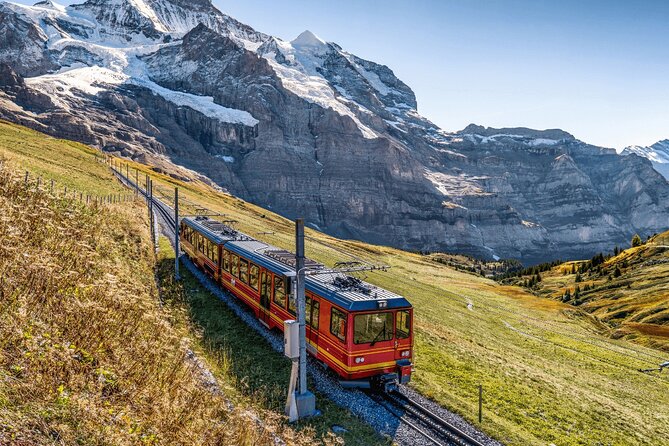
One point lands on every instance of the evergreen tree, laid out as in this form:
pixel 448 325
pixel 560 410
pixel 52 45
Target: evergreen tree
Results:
pixel 578 278
pixel 636 241
pixel 617 272
pixel 567 296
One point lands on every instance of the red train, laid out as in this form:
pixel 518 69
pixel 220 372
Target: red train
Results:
pixel 362 332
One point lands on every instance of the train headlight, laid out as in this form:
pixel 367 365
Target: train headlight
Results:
pixel 405 353
pixel 359 359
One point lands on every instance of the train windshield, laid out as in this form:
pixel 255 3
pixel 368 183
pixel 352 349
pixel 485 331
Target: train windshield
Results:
pixel 372 328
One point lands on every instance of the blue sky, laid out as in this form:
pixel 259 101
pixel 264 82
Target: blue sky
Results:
pixel 598 69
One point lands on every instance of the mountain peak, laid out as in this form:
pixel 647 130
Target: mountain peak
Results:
pixel 308 39
pixel 48 4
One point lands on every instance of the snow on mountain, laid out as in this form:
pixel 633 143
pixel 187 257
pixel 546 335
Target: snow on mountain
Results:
pixel 103 62
pixel 112 33
pixel 658 154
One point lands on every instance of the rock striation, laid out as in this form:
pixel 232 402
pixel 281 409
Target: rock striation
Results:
pixel 308 129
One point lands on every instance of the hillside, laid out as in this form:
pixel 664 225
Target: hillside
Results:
pixel 93 351
pixel 627 293
pixel 308 129
pixel 548 375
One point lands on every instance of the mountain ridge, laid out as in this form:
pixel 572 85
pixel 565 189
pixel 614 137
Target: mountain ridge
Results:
pixel 658 154
pixel 337 139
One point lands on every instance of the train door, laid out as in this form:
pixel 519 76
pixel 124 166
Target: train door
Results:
pixel 403 338
pixel 265 293
pixel 312 316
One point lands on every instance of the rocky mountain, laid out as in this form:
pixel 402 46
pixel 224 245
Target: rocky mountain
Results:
pixel 658 154
pixel 306 128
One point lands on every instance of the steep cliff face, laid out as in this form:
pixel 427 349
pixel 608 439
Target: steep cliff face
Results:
pixel 308 129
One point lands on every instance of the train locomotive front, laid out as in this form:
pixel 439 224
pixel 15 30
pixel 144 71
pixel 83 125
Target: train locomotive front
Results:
pixel 362 332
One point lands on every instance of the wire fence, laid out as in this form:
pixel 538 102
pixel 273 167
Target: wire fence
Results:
pixel 52 187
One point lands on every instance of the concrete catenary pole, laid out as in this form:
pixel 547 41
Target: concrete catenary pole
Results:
pixel 176 233
pixel 306 401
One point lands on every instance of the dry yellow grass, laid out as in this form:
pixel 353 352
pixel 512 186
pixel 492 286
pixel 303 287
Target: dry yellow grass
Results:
pixel 632 303
pixel 87 356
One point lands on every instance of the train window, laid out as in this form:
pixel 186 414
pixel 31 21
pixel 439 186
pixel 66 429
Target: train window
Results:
pixel 312 313
pixel 403 324
pixel 315 314
pixel 244 270
pixel 226 260
pixel 372 328
pixel 338 324
pixel 215 259
pixel 234 269
pixel 253 276
pixel 279 292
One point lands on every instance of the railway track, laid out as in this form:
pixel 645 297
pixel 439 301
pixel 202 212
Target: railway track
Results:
pixel 424 421
pixel 165 211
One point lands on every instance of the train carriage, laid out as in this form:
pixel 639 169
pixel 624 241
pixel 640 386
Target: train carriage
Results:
pixel 362 332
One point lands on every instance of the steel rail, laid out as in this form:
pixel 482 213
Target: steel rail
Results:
pixel 433 421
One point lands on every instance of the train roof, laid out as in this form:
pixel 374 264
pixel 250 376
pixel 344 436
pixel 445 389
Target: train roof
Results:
pixel 344 290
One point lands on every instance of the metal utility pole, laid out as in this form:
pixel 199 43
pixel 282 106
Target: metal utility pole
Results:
pixel 306 401
pixel 176 233
pixel 150 194
pixel 480 403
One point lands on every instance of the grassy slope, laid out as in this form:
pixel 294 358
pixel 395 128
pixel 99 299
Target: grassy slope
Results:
pixel 70 164
pixel 547 375
pixel 534 357
pixel 635 304
pixel 243 359
pixel 88 356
